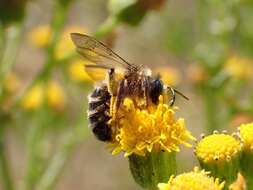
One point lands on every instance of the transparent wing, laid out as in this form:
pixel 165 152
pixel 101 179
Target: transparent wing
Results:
pixel 97 73
pixel 97 52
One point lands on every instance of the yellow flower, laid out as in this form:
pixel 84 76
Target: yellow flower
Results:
pixel 77 72
pixel 140 131
pixel 246 133
pixel 218 148
pixel 239 184
pixel 195 180
pixel 40 36
pixel 169 75
pixel 196 74
pixel 240 118
pixel 65 46
pixel 52 93
pixel 55 96
pixel 239 67
pixel 11 83
pixel 34 98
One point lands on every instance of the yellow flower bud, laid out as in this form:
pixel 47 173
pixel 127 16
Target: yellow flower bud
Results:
pixel 195 180
pixel 246 133
pixel 40 36
pixel 33 98
pixel 55 96
pixel 220 154
pixel 169 75
pixel 65 46
pixel 239 68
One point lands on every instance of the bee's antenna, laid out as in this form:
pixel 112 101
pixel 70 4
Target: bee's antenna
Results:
pixel 181 94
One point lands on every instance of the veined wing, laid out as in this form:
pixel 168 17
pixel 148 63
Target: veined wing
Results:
pixel 99 73
pixel 97 52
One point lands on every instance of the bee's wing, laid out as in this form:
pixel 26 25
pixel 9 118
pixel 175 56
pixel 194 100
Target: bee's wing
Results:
pixel 97 52
pixel 97 73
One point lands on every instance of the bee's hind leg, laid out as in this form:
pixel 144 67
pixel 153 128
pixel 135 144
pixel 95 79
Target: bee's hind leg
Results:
pixel 116 100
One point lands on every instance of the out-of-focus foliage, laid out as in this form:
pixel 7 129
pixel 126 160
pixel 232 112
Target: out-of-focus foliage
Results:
pixel 12 10
pixel 211 41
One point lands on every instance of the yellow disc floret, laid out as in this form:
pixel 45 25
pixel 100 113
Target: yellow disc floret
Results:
pixel 142 131
pixel 195 180
pixel 217 148
pixel 246 133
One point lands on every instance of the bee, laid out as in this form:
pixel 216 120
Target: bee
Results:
pixel 123 79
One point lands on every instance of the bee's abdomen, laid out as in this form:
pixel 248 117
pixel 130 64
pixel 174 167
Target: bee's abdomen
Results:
pixel 98 114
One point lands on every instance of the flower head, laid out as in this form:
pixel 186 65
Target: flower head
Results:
pixel 141 131
pixel 220 154
pixel 55 96
pixel 246 162
pixel 33 98
pixel 169 75
pixel 239 184
pixel 239 68
pixel 197 74
pixel 195 180
pixel 217 148
pixel 51 92
pixel 11 83
pixel 65 46
pixel 40 36
pixel 246 133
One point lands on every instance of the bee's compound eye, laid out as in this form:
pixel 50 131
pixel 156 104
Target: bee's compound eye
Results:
pixel 156 90
pixel 111 71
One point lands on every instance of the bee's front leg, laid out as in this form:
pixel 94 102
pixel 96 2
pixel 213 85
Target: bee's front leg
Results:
pixel 173 99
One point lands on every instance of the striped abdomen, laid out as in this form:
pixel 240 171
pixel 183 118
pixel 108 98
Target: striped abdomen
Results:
pixel 98 114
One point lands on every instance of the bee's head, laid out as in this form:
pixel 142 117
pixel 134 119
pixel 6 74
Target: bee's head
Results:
pixel 156 89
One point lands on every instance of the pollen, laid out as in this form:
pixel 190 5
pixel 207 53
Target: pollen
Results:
pixel 195 180
pixel 217 148
pixel 140 130
pixel 246 133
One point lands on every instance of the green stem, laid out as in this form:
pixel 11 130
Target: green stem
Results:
pixel 58 161
pixel 4 168
pixel 153 168
pixel 211 110
pixel 57 25
pixel 107 27
pixel 13 36
pixel 1 39
pixel 249 183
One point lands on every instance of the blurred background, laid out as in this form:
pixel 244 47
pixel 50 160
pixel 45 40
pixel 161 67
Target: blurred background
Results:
pixel 204 48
